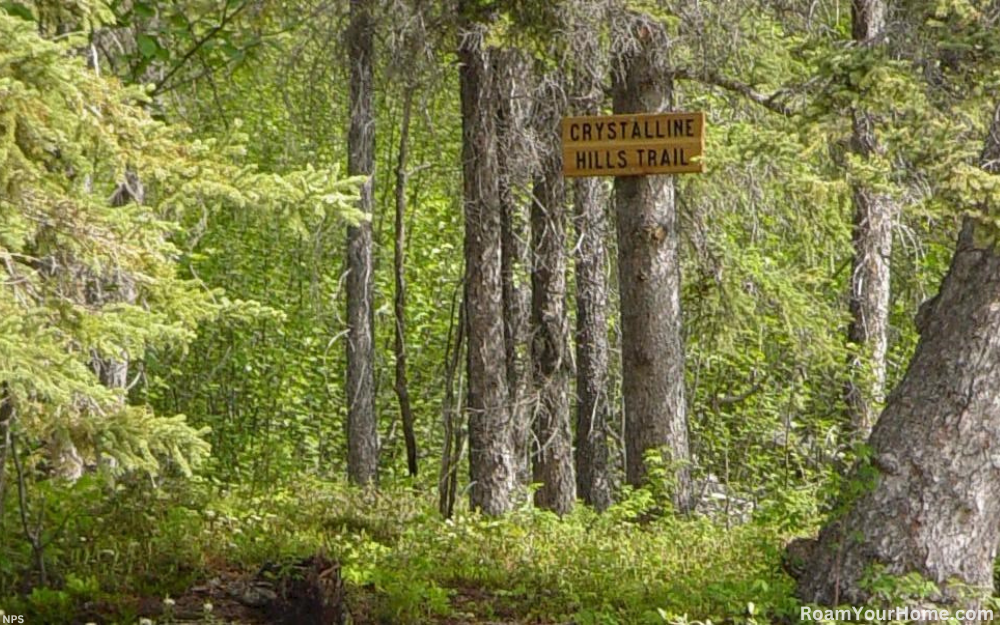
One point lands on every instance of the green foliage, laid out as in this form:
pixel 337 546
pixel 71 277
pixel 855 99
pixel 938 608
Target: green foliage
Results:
pixel 225 286
pixel 405 562
pixel 272 390
pixel 86 279
pixel 60 157
pixel 762 295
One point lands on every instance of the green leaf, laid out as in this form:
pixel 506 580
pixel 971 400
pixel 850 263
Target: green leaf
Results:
pixel 143 9
pixel 147 45
pixel 18 10
pixel 230 50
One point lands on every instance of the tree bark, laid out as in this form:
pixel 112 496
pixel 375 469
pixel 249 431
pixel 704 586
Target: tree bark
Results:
pixel 593 480
pixel 872 240
pixel 649 277
pixel 399 301
pixel 550 365
pixel 509 73
pixel 362 433
pixel 492 467
pixel 454 439
pixel 935 496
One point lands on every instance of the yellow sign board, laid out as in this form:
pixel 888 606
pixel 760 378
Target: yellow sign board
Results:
pixel 633 145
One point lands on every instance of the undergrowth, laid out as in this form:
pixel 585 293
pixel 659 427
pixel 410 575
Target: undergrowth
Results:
pixel 108 548
pixel 398 556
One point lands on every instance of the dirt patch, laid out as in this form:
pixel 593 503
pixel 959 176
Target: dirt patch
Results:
pixel 307 592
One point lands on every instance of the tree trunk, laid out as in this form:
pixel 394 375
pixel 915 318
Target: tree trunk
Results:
pixel 649 277
pixel 513 257
pixel 399 301
pixel 553 458
pixel 872 240
pixel 113 286
pixel 362 433
pixel 935 497
pixel 593 480
pixel 454 439
pixel 491 455
pixel 113 372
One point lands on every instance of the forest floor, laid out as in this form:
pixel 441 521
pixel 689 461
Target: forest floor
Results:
pixel 226 594
pixel 241 598
pixel 313 549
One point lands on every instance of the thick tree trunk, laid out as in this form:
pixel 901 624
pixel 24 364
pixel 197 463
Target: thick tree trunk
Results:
pixel 872 239
pixel 593 480
pixel 649 277
pixel 399 301
pixel 513 258
pixel 362 433
pixel 550 365
pixel 935 497
pixel 492 466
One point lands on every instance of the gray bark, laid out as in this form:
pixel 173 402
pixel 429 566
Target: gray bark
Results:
pixel 492 467
pixel 933 506
pixel 649 277
pixel 593 480
pixel 867 20
pixel 362 434
pixel 509 72
pixel 550 364
pixel 872 240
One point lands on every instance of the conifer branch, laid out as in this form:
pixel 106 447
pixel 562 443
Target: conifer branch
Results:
pixel 771 102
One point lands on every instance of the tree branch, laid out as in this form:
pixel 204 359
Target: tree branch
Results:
pixel 715 79
pixel 34 537
pixel 6 421
pixel 223 21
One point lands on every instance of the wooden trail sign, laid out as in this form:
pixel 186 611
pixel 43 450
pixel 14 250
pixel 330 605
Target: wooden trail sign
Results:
pixel 633 145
